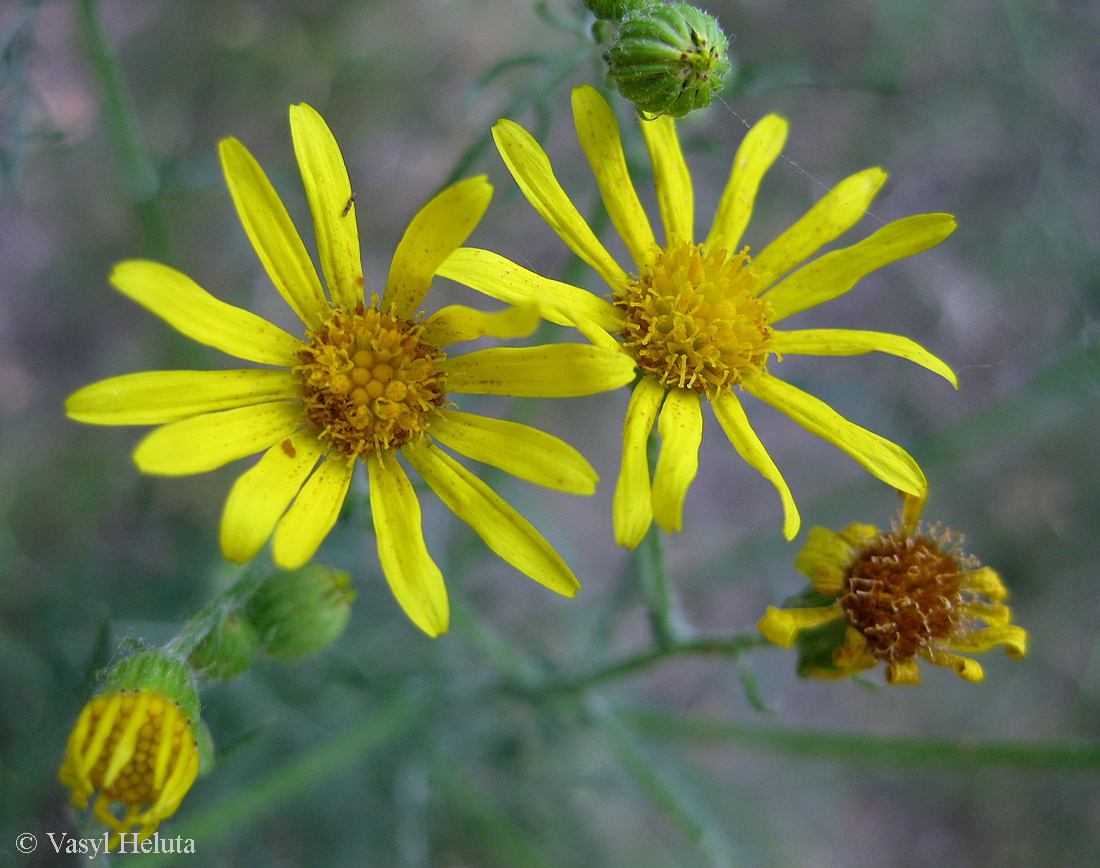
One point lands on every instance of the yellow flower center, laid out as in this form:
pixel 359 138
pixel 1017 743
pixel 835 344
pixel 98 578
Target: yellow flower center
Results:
pixel 694 319
pixel 369 380
pixel 904 593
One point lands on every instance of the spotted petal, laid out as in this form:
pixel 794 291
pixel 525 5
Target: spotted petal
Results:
pixel 436 231
pixel 328 190
pixel 415 580
pixel 549 371
pixel 632 505
pixel 305 525
pixel 190 309
pixel 520 450
pixel 272 233
pixel 681 428
pixel 881 458
pixel 204 442
pixel 675 198
pixel 501 528
pixel 155 397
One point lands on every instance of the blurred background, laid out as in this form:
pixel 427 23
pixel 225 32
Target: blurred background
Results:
pixel 393 749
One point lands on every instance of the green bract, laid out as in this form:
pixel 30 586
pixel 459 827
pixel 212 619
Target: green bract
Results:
pixel 155 670
pixel 668 59
pixel 615 10
pixel 299 613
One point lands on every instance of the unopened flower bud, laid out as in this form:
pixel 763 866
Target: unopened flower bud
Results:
pixel 668 59
pixel 227 650
pixel 298 613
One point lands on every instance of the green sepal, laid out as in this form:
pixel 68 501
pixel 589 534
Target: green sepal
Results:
pixel 155 670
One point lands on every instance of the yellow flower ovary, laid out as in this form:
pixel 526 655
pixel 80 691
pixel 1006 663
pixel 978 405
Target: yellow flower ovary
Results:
pixel 694 320
pixel 136 748
pixel 369 380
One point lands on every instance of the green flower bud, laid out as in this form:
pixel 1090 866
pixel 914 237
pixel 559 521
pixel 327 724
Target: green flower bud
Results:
pixel 163 673
pixel 298 613
pixel 226 651
pixel 615 10
pixel 668 59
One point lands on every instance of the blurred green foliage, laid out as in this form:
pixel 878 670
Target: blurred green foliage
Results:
pixel 391 749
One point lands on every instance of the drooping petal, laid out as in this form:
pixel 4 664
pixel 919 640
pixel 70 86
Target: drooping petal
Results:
pixel 261 495
pixel 881 458
pixel 675 197
pixel 681 428
pixel 328 191
pixel 500 527
pixel 436 231
pixel 731 416
pixel 191 310
pixel 835 273
pixel 848 342
pixel 632 505
pixel 781 626
pixel 502 279
pixel 1012 636
pixel 415 580
pixel 272 233
pixel 834 213
pixel 531 168
pixel 204 442
pixel 599 137
pixel 456 322
pixel 756 153
pixel 155 397
pixel 548 371
pixel 520 450
pixel 314 511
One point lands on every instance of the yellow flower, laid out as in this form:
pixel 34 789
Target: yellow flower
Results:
pixel 902 594
pixel 700 318
pixel 135 747
pixel 370 378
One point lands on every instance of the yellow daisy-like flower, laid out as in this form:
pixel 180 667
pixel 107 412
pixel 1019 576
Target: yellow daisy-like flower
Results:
pixel 904 593
pixel 370 378
pixel 700 318
pixel 136 748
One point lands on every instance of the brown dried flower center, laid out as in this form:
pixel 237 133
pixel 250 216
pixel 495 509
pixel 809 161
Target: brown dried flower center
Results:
pixel 369 380
pixel 694 319
pixel 903 594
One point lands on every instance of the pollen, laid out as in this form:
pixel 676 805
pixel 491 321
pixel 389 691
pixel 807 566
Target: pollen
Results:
pixel 694 319
pixel 905 593
pixel 369 380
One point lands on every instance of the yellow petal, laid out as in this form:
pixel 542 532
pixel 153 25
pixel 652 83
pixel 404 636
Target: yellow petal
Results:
pixel 781 626
pixel 189 309
pixel 261 495
pixel 835 273
pixel 826 556
pixel 731 416
pixel 757 152
pixel 681 428
pixel 500 527
pixel 437 230
pixel 457 322
pixel 415 580
pixel 847 342
pixel 502 279
pixel 155 397
pixel 1013 637
pixel 272 233
pixel 517 449
pixel 328 191
pixel 881 458
pixel 599 137
pixel 632 505
pixel 907 672
pixel 986 582
pixel 549 371
pixel 835 212
pixel 305 525
pixel 531 168
pixel 675 198
pixel 210 440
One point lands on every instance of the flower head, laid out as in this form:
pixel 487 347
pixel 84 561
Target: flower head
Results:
pixel 369 378
pixel 699 318
pixel 134 742
pixel 899 595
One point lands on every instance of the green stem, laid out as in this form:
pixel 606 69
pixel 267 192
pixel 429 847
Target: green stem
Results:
pixel 210 616
pixel 872 749
pixel 139 180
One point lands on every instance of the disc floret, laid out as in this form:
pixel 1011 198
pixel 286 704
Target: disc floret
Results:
pixel 694 320
pixel 369 380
